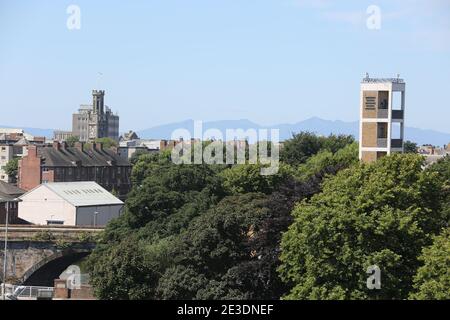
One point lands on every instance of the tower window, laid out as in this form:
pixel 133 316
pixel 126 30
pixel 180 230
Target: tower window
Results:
pixel 370 103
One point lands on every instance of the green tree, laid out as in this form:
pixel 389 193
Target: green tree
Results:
pixel 442 169
pixel 217 242
pixel 180 281
pixel 208 245
pixel 328 162
pixel 303 145
pixel 300 147
pixel 137 154
pixel 333 142
pixel 432 280
pixel 107 142
pixel 410 147
pixel 11 168
pixel 382 214
pixel 127 270
pixel 246 178
pixel 72 140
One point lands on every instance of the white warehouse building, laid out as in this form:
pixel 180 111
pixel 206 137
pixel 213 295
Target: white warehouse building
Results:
pixel 69 203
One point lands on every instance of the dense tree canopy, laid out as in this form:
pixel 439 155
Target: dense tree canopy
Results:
pixel 205 231
pixel 432 280
pixel 215 231
pixel 305 144
pixel 379 214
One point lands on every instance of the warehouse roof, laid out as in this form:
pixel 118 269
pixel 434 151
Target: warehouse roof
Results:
pixel 81 194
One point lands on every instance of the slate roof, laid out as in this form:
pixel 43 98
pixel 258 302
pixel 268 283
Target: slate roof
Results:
pixel 22 142
pixel 69 156
pixel 10 190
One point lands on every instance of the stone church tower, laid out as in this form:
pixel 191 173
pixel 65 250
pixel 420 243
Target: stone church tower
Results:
pixel 96 120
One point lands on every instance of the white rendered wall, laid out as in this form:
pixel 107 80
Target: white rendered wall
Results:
pixel 41 204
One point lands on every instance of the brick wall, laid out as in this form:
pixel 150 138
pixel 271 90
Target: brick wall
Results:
pixel 30 170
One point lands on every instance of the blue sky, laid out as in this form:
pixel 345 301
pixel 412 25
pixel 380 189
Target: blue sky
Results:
pixel 266 60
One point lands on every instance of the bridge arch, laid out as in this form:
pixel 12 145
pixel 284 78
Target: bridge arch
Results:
pixel 50 268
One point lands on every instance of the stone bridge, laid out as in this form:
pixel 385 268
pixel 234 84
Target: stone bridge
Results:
pixel 37 255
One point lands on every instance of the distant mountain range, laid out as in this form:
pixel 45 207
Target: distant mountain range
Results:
pixel 316 125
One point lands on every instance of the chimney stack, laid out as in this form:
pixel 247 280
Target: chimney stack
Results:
pixel 79 146
pixel 32 150
pixel 56 145
pixel 97 146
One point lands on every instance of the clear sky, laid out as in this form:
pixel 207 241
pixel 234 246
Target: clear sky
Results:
pixel 271 61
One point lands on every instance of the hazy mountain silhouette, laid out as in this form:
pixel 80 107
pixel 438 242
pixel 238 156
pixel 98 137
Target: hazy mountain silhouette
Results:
pixel 316 125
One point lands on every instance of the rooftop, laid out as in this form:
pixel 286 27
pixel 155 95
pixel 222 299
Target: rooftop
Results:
pixel 9 189
pixel 367 79
pixel 5 198
pixel 82 193
pixel 89 157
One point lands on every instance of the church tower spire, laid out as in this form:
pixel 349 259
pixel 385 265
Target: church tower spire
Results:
pixel 98 98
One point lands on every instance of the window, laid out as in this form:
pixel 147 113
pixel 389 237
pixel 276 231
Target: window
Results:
pixel 53 222
pixel 370 103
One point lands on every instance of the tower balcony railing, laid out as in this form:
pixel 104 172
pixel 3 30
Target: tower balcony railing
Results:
pixel 396 143
pixel 397 114
pixel 382 142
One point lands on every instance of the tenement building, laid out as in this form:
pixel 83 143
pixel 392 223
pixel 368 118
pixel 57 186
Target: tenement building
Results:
pixel 14 144
pixel 382 110
pixel 96 120
pixel 60 163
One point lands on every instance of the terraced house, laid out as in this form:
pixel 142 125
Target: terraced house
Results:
pixel 60 163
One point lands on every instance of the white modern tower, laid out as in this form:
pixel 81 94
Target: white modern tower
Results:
pixel 382 117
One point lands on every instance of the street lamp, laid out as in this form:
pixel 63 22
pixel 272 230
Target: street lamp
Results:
pixel 95 218
pixel 5 253
pixel 5 250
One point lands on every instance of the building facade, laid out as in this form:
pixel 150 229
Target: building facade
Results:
pixel 6 155
pixel 9 195
pixel 96 120
pixel 69 203
pixel 61 135
pixel 382 114
pixel 59 163
pixel 14 144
